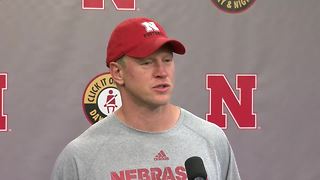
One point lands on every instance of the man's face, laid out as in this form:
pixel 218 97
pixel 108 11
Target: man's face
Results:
pixel 149 81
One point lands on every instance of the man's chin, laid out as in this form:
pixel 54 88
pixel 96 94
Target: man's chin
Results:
pixel 160 103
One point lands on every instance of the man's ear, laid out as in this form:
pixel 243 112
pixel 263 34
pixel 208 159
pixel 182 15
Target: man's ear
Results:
pixel 116 71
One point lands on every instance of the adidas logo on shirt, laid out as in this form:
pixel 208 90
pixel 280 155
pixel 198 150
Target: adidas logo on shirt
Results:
pixel 161 156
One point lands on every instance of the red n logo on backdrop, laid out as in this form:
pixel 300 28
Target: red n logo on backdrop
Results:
pixel 241 109
pixel 3 117
pixel 129 5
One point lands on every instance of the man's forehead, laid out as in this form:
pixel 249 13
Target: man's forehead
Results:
pixel 163 51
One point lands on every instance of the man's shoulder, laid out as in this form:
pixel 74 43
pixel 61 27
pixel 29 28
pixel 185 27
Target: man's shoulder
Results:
pixel 201 126
pixel 94 137
pixel 205 132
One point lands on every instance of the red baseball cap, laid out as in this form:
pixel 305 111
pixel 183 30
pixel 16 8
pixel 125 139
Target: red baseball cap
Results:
pixel 139 38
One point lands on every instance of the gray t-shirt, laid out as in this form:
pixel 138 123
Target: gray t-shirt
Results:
pixel 111 150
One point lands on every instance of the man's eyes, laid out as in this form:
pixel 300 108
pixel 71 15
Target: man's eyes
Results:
pixel 147 62
pixel 150 61
pixel 168 60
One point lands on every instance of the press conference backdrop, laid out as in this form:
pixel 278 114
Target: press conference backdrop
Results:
pixel 51 50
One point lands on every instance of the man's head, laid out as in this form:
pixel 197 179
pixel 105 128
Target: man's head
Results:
pixel 140 58
pixel 139 38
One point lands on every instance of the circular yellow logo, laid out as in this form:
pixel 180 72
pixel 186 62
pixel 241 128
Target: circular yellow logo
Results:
pixel 100 98
pixel 233 6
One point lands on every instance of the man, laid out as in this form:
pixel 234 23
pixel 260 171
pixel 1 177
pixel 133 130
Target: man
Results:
pixel 148 137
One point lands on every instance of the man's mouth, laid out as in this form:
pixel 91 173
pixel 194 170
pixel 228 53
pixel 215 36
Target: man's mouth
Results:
pixel 162 87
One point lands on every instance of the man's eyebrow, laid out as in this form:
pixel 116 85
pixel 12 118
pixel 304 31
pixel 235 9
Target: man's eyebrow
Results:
pixel 169 54
pixel 164 56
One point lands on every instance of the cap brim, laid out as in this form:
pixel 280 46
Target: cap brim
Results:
pixel 149 46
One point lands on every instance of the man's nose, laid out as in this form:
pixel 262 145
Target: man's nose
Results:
pixel 160 69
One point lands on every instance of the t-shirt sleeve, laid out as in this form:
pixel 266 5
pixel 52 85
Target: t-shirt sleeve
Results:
pixel 233 172
pixel 65 167
pixel 228 159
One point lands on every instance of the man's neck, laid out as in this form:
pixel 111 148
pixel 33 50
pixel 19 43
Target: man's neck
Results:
pixel 150 119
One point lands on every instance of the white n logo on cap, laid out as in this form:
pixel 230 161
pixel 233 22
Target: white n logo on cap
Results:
pixel 150 26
